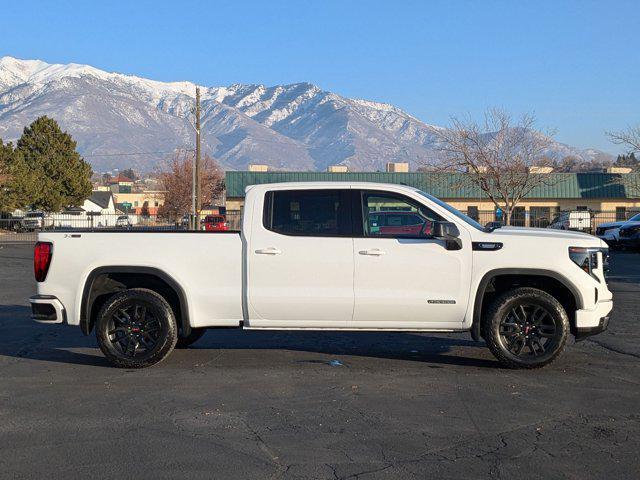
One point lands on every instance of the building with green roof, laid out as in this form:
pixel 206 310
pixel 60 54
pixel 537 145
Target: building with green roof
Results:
pixel 607 194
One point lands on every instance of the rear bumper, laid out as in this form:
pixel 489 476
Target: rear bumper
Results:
pixel 47 309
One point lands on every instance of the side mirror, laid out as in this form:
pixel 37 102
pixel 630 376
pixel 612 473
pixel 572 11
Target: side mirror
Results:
pixel 445 230
pixel 448 231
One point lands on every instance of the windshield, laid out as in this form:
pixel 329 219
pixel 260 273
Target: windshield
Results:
pixel 453 211
pixel 635 218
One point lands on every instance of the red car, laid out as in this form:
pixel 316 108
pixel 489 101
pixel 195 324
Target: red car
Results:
pixel 215 223
pixel 398 223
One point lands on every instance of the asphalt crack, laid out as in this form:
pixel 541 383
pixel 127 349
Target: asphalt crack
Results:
pixel 613 349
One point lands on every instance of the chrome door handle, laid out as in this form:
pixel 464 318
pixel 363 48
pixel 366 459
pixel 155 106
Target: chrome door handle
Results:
pixel 376 252
pixel 268 251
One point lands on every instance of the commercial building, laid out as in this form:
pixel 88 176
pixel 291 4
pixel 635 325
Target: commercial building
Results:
pixel 337 169
pixel 121 184
pixel 609 196
pixel 134 202
pixel 397 167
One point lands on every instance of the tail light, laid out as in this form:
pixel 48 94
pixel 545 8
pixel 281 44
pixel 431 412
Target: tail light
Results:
pixel 41 260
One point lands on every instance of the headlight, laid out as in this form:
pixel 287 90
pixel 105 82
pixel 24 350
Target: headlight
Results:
pixel 587 258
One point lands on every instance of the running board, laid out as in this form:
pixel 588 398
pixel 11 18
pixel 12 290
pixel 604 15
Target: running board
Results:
pixel 347 329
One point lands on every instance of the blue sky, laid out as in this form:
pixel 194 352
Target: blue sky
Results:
pixel 575 64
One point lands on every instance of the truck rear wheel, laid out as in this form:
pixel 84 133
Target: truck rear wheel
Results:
pixel 195 335
pixel 136 328
pixel 526 328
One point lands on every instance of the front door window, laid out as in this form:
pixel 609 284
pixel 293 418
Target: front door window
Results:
pixel 389 215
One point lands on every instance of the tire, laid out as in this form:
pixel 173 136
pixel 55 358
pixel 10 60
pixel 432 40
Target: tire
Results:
pixel 134 319
pixel 526 328
pixel 195 335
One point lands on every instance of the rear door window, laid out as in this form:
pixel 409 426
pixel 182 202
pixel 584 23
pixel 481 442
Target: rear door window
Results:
pixel 320 213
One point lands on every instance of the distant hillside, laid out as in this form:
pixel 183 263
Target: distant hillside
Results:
pixel 289 127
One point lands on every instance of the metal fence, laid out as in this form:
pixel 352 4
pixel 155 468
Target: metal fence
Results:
pixel 542 217
pixel 25 229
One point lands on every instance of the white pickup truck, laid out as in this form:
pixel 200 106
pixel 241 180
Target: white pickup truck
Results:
pixel 327 256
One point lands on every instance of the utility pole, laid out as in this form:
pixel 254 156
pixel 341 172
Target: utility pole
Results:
pixel 196 207
pixel 198 174
pixel 192 217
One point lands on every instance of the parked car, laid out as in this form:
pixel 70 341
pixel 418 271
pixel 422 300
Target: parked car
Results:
pixel 10 222
pixel 123 221
pixel 306 258
pixel 215 223
pixel 578 220
pixel 35 221
pixel 399 222
pixel 610 231
pixel 629 236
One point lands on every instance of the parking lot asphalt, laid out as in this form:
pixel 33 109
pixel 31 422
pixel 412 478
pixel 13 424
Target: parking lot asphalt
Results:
pixel 316 405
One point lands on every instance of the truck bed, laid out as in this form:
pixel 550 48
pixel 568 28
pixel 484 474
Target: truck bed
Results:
pixel 206 264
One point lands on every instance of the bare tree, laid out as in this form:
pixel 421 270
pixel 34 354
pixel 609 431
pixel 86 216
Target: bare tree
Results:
pixel 176 177
pixel 630 138
pixel 575 164
pixel 502 157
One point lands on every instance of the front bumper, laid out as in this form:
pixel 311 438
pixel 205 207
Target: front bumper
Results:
pixel 47 309
pixel 582 333
pixel 592 322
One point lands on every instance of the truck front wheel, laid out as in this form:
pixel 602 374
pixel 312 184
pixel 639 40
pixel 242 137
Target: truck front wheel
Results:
pixel 526 328
pixel 136 328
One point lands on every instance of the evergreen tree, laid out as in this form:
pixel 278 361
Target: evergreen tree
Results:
pixel 629 160
pixel 144 211
pixel 17 185
pixel 6 159
pixel 62 177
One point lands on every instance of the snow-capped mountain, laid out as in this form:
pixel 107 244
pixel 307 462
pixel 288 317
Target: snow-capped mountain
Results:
pixel 123 120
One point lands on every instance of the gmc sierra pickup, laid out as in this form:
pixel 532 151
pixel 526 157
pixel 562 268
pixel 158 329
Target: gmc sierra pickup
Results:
pixel 321 256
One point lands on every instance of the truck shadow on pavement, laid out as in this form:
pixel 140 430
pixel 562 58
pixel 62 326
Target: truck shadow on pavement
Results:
pixel 21 338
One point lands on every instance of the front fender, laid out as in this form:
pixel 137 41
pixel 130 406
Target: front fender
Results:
pixel 490 275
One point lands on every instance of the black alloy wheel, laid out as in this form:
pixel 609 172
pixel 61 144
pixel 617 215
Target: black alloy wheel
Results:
pixel 528 330
pixel 136 328
pixel 525 328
